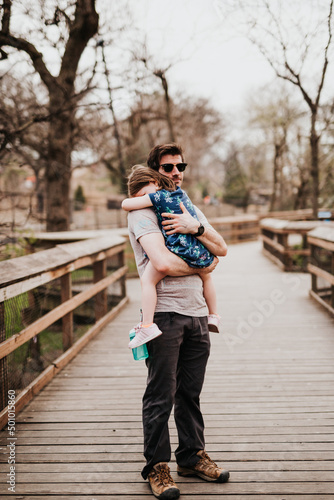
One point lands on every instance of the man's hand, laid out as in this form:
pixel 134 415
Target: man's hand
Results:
pixel 180 223
pixel 212 267
pixel 185 223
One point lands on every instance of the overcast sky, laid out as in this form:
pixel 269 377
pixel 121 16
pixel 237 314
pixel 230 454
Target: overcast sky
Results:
pixel 213 63
pixel 208 57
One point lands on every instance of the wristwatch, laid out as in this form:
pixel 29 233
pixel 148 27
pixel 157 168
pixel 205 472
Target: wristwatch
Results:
pixel 200 230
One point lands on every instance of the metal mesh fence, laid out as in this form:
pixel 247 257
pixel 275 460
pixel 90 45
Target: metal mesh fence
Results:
pixel 24 364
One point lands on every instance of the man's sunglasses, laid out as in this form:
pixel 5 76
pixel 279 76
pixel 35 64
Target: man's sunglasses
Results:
pixel 168 167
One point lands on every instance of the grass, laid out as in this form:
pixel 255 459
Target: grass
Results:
pixel 13 313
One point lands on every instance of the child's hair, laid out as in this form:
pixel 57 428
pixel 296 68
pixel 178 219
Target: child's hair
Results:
pixel 141 176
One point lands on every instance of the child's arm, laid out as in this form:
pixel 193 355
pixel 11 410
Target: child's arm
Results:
pixel 136 203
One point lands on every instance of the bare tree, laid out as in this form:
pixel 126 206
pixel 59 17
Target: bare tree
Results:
pixel 20 107
pixel 117 135
pixel 298 48
pixel 272 111
pixel 77 24
pixel 142 56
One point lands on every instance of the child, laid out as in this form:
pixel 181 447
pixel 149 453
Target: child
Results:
pixel 148 188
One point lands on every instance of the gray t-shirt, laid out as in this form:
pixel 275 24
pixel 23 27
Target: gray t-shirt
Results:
pixel 182 294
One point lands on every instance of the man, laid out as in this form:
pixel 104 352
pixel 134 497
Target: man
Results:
pixel 177 358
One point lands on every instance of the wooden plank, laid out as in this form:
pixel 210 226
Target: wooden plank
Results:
pixel 268 401
pixel 134 477
pixel 321 273
pixel 297 251
pixel 274 225
pixel 193 488
pixel 326 448
pixel 48 319
pixel 148 496
pixel 88 430
pixel 323 234
pixel 318 242
pixel 76 235
pixel 131 456
pixel 235 219
pixel 322 302
pixel 29 284
pixel 62 255
pixel 133 466
pixel 42 278
pixel 135 437
pixel 210 408
pixel 274 244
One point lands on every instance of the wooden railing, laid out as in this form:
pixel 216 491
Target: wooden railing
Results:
pixel 321 266
pixel 237 228
pixel 285 242
pixel 302 214
pixel 246 227
pixel 21 277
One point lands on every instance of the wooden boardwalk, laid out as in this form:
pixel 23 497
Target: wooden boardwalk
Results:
pixel 268 401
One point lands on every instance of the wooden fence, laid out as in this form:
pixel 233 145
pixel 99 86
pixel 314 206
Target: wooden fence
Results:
pixel 302 214
pixel 237 228
pixel 285 242
pixel 321 266
pixel 246 227
pixel 23 275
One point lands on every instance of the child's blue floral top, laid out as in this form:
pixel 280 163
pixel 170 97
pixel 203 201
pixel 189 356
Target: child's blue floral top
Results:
pixel 185 246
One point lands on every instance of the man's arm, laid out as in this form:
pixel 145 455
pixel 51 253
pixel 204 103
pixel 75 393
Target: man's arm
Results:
pixel 186 223
pixel 165 261
pixel 213 241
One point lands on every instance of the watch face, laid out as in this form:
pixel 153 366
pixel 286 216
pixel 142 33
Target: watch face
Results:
pixel 200 230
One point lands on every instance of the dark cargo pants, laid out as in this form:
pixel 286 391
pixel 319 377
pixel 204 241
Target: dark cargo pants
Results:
pixel 176 369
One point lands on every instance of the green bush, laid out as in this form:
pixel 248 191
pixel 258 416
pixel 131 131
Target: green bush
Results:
pixel 79 198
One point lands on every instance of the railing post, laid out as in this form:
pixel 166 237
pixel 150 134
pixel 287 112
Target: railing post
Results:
pixel 67 320
pixel 313 261
pixel 332 288
pixel 121 263
pixel 3 361
pixel 101 299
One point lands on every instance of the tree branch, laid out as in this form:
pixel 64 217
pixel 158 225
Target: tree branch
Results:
pixel 6 8
pixel 324 68
pixel 83 28
pixel 35 56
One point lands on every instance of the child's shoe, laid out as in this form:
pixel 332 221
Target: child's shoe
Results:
pixel 144 334
pixel 213 322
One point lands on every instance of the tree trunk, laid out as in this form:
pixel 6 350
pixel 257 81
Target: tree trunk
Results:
pixel 275 179
pixel 314 143
pixel 301 197
pixel 58 173
pixel 81 28
pixel 161 74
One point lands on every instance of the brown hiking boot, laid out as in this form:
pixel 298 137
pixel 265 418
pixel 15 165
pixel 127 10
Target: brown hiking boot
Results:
pixel 206 469
pixel 161 482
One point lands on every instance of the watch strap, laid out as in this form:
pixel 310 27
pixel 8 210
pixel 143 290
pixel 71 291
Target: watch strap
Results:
pixel 200 230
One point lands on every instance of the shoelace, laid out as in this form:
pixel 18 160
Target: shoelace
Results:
pixel 207 459
pixel 164 476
